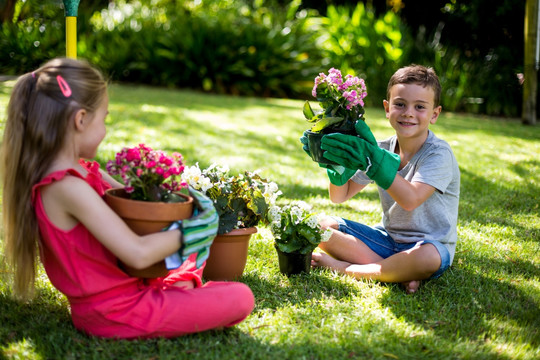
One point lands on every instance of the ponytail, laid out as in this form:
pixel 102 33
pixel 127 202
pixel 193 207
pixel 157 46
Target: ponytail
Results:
pixel 37 121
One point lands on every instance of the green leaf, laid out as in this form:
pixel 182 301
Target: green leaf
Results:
pixel 325 122
pixel 308 111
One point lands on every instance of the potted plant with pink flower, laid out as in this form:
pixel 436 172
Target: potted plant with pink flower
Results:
pixel 342 104
pixel 153 194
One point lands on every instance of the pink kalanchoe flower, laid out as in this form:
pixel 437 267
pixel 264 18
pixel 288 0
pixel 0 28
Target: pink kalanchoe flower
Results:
pixel 142 169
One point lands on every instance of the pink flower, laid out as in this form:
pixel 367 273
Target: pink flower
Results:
pixel 142 168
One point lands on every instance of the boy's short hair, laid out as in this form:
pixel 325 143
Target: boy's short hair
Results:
pixel 417 74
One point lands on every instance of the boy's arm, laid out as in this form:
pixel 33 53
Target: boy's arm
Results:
pixel 409 195
pixel 339 194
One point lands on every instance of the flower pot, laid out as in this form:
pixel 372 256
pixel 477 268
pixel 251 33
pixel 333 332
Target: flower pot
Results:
pixel 293 263
pixel 228 255
pixel 314 144
pixel 146 217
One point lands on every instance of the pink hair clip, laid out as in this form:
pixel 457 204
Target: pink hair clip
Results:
pixel 64 87
pixel 33 75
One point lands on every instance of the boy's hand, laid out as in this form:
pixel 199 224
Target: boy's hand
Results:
pixel 338 175
pixel 362 153
pixel 199 231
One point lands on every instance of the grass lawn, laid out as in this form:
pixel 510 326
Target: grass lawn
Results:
pixel 486 306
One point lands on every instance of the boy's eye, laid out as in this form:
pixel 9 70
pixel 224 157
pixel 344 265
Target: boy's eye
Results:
pixel 420 107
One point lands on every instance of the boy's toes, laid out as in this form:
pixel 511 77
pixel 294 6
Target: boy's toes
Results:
pixel 411 286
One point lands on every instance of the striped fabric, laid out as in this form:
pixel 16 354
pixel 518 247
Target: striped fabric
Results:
pixel 198 231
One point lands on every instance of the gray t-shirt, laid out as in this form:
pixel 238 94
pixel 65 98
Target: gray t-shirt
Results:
pixel 436 219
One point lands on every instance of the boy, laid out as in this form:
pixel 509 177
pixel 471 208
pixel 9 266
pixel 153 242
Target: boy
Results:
pixel 418 181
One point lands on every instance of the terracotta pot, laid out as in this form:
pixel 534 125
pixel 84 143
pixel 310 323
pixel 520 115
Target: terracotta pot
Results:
pixel 314 144
pixel 293 263
pixel 146 217
pixel 228 255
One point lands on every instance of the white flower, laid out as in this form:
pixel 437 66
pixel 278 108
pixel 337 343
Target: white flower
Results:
pixel 274 213
pixel 326 234
pixel 275 226
pixel 192 175
pixel 312 221
pixel 205 183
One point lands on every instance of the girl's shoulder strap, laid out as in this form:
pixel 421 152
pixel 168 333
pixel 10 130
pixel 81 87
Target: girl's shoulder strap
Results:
pixel 52 177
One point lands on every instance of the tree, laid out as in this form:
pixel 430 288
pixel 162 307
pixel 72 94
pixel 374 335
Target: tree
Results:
pixel 7 9
pixel 530 64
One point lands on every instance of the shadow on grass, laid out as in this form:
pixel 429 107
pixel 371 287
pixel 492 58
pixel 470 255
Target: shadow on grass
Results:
pixel 467 303
pixel 280 291
pixel 477 199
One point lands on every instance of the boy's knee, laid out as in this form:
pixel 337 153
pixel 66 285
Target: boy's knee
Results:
pixel 328 222
pixel 432 259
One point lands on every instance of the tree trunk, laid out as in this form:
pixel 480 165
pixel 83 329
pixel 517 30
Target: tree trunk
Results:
pixel 7 9
pixel 530 67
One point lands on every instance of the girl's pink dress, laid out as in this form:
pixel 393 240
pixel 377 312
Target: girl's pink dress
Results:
pixel 107 302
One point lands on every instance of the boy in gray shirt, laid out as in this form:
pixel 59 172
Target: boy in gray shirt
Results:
pixel 418 181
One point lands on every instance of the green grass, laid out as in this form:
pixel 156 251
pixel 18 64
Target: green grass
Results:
pixel 486 306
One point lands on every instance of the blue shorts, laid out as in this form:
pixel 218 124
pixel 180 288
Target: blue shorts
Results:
pixel 378 240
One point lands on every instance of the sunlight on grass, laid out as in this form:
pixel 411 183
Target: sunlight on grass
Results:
pixel 23 349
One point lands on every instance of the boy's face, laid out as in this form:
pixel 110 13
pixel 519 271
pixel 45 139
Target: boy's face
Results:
pixel 411 109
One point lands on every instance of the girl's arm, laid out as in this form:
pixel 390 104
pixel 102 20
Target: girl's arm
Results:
pixel 112 181
pixel 339 194
pixel 409 195
pixel 72 200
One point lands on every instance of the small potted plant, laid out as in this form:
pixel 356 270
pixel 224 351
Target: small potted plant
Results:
pixel 242 202
pixel 152 197
pixel 342 103
pixel 297 233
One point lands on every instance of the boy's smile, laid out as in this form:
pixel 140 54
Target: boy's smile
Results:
pixel 410 110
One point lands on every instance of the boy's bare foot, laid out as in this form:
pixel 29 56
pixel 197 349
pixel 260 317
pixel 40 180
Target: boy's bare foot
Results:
pixel 324 260
pixel 411 286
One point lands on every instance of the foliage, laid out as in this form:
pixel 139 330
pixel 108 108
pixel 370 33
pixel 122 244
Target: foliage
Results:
pixel 34 36
pixel 296 228
pixel 274 47
pixel 360 43
pixel 242 201
pixel 149 175
pixel 342 102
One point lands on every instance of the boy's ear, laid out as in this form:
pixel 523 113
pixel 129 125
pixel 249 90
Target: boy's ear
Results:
pixel 79 119
pixel 435 115
pixel 386 105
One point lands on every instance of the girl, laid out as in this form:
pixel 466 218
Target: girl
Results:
pixel 53 202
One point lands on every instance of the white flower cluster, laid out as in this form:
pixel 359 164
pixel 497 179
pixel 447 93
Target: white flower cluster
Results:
pixel 194 177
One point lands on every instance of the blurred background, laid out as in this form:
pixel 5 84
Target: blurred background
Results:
pixel 275 48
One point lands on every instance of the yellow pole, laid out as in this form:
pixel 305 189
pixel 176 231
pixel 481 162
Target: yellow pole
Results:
pixel 71 37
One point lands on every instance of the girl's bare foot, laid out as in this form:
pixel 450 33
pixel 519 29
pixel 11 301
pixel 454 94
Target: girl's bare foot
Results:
pixel 186 285
pixel 411 286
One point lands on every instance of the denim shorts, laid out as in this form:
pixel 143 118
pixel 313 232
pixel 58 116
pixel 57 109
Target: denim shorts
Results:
pixel 378 240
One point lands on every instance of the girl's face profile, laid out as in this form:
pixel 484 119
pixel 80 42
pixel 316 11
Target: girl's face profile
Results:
pixel 95 130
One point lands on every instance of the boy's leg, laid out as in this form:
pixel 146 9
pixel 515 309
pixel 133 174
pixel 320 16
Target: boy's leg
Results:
pixel 415 264
pixel 346 247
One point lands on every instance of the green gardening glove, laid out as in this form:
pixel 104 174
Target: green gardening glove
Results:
pixel 198 232
pixel 362 152
pixel 338 175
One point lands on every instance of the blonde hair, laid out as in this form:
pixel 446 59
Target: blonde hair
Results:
pixel 38 112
